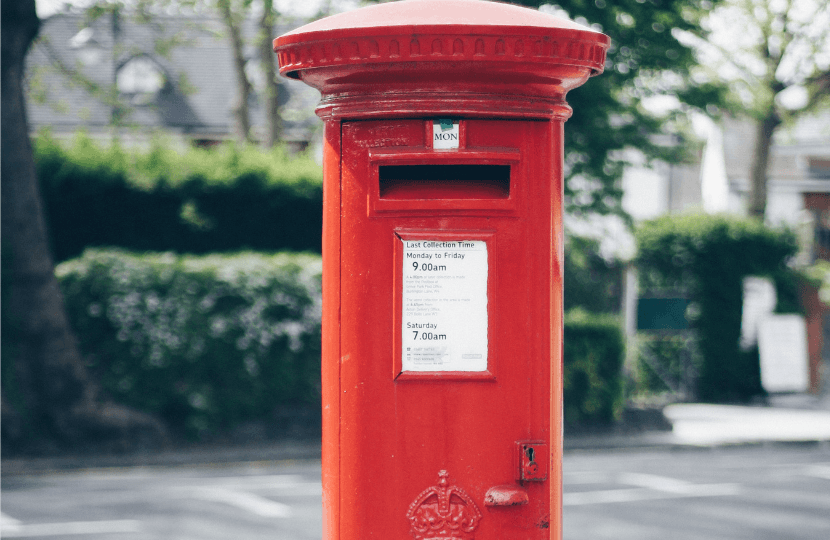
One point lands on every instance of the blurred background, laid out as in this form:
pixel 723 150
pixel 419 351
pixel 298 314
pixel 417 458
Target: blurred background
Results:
pixel 161 241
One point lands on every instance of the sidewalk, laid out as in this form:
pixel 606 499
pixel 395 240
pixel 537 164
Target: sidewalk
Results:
pixel 797 418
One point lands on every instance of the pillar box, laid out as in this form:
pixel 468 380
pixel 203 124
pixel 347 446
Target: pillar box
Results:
pixel 442 264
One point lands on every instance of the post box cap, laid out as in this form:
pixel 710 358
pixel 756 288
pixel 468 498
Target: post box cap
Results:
pixel 419 31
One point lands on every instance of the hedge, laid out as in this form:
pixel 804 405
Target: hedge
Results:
pixel 709 256
pixel 591 282
pixel 593 360
pixel 209 343
pixel 198 201
pixel 206 343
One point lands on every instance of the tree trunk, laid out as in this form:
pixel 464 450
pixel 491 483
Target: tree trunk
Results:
pixel 241 114
pixel 47 391
pixel 273 122
pixel 760 163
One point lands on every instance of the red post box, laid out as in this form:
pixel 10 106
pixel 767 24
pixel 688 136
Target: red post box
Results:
pixel 442 253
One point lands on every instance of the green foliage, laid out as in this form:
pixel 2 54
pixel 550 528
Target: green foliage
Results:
pixel 709 256
pixel 666 363
pixel 645 59
pixel 818 275
pixel 591 282
pixel 197 201
pixel 205 343
pixel 593 358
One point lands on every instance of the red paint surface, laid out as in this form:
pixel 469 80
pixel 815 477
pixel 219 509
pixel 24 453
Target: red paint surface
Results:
pixel 386 73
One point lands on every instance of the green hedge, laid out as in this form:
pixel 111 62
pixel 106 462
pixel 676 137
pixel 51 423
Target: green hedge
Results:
pixel 593 358
pixel 591 282
pixel 209 343
pixel 709 256
pixel 198 201
pixel 206 343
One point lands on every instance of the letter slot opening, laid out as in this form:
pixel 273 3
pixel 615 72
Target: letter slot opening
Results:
pixel 444 181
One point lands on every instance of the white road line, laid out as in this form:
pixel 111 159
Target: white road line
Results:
pixel 271 480
pixel 294 487
pixel 13 528
pixel 817 471
pixel 657 483
pixel 678 487
pixel 649 487
pixel 584 477
pixel 249 502
pixel 8 521
pixel 609 496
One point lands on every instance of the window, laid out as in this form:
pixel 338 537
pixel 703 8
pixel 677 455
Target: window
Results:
pixel 140 78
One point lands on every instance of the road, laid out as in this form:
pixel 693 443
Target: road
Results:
pixel 250 501
pixel 773 492
pixel 751 493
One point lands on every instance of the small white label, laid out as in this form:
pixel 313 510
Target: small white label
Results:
pixel 444 319
pixel 445 135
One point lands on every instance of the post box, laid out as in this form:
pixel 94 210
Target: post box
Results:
pixel 442 256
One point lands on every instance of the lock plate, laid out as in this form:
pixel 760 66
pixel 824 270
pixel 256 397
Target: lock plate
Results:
pixel 532 461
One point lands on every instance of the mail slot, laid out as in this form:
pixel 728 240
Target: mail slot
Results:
pixel 442 255
pixel 444 181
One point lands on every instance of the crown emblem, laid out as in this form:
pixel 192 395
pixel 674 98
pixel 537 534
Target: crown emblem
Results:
pixel 443 512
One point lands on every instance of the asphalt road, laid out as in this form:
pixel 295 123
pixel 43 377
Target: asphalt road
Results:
pixel 754 493
pixel 773 492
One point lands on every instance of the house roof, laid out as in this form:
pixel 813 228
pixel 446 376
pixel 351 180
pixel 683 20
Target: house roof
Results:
pixel 197 90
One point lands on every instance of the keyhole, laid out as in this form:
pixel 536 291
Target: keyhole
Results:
pixel 529 453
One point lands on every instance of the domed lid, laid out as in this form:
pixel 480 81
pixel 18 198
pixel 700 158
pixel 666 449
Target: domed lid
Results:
pixel 433 13
pixel 453 31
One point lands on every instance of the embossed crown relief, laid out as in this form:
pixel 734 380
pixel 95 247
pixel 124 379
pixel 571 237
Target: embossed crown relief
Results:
pixel 443 512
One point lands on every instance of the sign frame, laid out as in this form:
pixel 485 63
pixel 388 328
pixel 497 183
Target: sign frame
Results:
pixel 401 235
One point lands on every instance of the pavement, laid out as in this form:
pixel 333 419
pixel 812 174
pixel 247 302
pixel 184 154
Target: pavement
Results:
pixel 781 419
pixel 784 419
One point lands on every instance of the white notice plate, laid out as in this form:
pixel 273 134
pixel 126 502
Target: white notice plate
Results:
pixel 782 346
pixel 444 303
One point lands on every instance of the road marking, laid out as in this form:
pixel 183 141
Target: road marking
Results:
pixel 270 480
pixel 675 486
pixel 649 487
pixel 249 502
pixel 295 483
pixel 818 471
pixel 8 521
pixel 584 477
pixel 13 528
pixel 609 496
pixel 655 482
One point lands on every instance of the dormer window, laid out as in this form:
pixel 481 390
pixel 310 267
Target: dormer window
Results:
pixel 89 50
pixel 140 79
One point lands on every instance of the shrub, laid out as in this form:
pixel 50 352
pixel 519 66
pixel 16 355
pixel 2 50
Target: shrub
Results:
pixel 709 256
pixel 198 201
pixel 593 358
pixel 666 364
pixel 205 343
pixel 591 282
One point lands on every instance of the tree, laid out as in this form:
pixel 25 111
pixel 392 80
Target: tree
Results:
pixel 232 17
pixel 233 14
pixel 47 390
pixel 267 58
pixel 645 60
pixel 774 55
